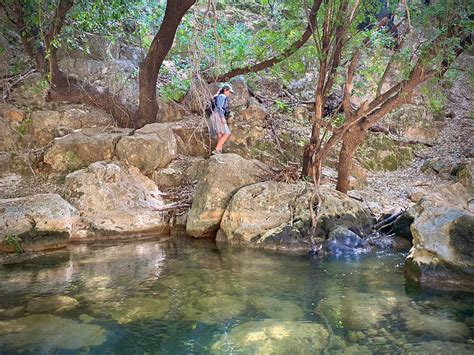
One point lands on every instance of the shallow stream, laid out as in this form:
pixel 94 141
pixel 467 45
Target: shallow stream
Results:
pixel 182 296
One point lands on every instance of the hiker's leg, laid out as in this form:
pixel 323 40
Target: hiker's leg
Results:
pixel 219 139
pixel 222 140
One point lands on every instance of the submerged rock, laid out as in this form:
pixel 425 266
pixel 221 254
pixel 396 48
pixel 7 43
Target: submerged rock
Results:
pixel 438 347
pixel 342 241
pixel 424 324
pixel 274 337
pixel 47 333
pixel 52 304
pixel 443 249
pixel 213 309
pixel 356 310
pixel 37 222
pixel 115 200
pixel 225 174
pixel 135 309
pixel 276 215
pixel 277 309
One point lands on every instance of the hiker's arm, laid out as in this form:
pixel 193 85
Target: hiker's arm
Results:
pixel 220 100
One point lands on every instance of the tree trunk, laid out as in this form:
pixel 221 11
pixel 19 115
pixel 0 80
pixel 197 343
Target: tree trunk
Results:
pixel 350 141
pixel 150 67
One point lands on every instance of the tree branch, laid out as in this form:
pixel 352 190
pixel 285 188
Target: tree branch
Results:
pixel 276 59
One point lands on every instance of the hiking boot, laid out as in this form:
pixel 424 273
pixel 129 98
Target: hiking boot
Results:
pixel 215 152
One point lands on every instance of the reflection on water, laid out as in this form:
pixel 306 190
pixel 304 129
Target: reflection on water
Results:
pixel 187 296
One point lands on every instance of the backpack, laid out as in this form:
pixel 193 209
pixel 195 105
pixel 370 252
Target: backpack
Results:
pixel 211 106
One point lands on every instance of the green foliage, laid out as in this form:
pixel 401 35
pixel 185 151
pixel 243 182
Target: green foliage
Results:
pixel 282 106
pixel 23 127
pixel 14 241
pixel 435 98
pixel 175 89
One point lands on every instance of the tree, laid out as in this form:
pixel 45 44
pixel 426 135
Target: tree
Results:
pixel 42 47
pixel 431 58
pixel 265 64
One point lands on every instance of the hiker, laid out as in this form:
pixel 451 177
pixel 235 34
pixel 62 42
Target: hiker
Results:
pixel 218 118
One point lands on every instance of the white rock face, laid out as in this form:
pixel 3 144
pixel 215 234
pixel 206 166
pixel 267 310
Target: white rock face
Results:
pixel 81 148
pixel 115 200
pixel 149 148
pixel 42 222
pixel 443 249
pixel 276 215
pixel 225 175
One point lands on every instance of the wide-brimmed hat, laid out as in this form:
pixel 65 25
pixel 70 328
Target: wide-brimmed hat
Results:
pixel 228 87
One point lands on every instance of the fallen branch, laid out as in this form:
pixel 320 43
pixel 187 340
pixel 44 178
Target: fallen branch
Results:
pixel 389 220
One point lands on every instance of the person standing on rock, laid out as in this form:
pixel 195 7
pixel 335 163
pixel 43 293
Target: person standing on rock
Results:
pixel 219 116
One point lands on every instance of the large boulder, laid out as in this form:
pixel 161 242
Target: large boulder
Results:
pixel 115 200
pixel 465 174
pixel 83 147
pixel 415 122
pixel 192 136
pixel 442 255
pixel 275 215
pixel 180 171
pixel 225 174
pixel 34 223
pixel 381 152
pixel 149 148
pixel 44 126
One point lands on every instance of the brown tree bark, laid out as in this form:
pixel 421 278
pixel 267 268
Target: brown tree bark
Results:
pixel 278 58
pixel 150 67
pixel 350 141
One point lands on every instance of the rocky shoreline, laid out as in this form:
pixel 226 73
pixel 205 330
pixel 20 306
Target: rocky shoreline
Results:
pixel 68 175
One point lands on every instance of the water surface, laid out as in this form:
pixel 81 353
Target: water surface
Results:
pixel 187 296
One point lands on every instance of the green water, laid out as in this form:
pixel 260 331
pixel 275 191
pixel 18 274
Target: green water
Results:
pixel 181 296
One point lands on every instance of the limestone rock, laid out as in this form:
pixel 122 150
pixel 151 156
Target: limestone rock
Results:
pixel 253 113
pixel 443 248
pixel 151 147
pixel 78 116
pixel 225 174
pixel 169 112
pixel 416 122
pixel 43 126
pixel 35 223
pixel 11 113
pixel 115 200
pixel 81 148
pixel 381 152
pixel 274 337
pixel 192 136
pixel 276 215
pixel 179 171
pixel 465 175
pixel 7 141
